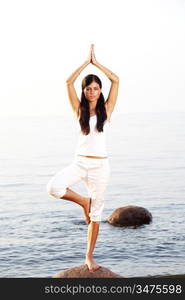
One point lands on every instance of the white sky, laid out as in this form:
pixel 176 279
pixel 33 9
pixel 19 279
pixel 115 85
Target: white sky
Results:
pixel 44 41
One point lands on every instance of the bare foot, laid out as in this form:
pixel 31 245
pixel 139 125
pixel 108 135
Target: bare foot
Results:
pixel 86 210
pixel 92 265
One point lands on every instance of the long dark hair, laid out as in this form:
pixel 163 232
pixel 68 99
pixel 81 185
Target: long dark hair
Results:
pixel 84 112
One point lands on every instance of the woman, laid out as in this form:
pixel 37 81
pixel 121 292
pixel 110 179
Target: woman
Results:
pixel 91 163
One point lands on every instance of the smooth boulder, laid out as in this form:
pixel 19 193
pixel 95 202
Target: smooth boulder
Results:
pixel 82 271
pixel 130 216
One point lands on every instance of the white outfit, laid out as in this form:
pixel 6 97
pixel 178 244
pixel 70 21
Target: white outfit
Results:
pixel 93 144
pixel 94 172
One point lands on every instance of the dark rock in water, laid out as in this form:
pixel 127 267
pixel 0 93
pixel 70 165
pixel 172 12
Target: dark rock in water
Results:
pixel 82 271
pixel 130 216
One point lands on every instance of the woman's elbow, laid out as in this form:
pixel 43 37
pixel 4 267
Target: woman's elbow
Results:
pixel 116 79
pixel 68 81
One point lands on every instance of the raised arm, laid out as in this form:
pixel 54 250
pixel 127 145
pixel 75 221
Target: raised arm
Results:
pixel 73 98
pixel 112 97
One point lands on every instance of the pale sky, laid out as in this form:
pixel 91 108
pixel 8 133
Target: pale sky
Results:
pixel 44 41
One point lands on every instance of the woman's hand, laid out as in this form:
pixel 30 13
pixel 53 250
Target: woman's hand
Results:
pixel 93 58
pixel 89 58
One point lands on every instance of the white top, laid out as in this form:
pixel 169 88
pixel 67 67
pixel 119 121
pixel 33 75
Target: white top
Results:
pixel 93 144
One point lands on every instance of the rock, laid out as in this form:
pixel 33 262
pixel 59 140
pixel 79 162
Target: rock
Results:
pixel 82 271
pixel 130 216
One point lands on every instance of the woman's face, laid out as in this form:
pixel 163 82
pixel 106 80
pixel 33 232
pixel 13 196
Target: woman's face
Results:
pixel 92 92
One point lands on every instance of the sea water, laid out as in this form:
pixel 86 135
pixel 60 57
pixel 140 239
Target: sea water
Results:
pixel 41 235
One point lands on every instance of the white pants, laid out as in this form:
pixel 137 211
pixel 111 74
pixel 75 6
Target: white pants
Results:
pixel 94 172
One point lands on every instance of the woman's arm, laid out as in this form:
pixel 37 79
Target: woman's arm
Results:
pixel 110 75
pixel 73 98
pixel 76 73
pixel 74 101
pixel 112 97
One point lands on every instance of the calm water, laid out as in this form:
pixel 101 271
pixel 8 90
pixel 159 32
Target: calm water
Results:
pixel 41 235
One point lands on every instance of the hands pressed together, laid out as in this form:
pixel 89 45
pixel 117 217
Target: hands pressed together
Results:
pixel 91 57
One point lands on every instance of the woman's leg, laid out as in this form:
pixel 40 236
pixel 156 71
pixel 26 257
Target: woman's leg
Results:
pixel 84 202
pixel 93 230
pixel 98 177
pixel 58 187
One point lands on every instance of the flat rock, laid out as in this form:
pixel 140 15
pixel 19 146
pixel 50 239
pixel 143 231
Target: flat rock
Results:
pixel 82 271
pixel 130 216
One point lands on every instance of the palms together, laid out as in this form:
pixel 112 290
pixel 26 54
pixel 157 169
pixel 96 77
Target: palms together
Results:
pixel 91 57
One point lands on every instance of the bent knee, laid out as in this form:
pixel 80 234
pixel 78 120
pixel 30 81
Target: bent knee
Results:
pixel 55 191
pixel 50 189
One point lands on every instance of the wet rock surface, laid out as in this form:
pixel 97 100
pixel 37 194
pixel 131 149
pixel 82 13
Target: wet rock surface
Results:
pixel 82 271
pixel 130 216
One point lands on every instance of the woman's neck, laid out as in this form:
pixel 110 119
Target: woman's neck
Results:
pixel 92 112
pixel 92 109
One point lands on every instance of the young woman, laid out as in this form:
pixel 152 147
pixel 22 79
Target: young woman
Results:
pixel 91 163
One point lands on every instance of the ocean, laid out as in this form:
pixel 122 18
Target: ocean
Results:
pixel 41 235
